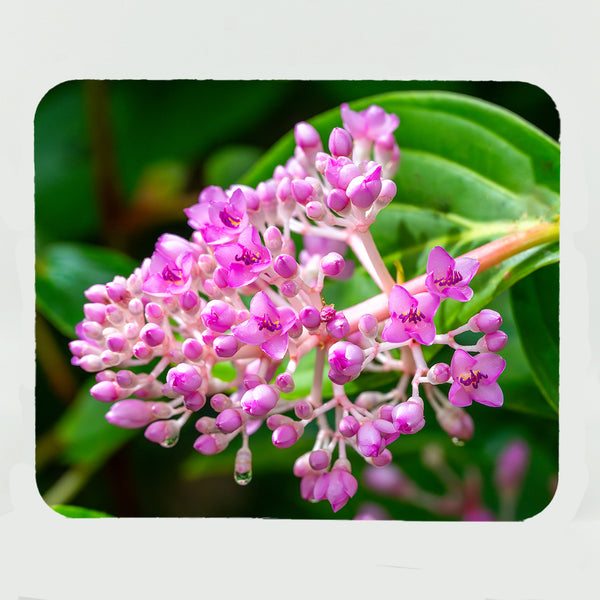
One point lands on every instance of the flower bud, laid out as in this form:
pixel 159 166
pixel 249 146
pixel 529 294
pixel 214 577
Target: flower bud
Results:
pixel 211 443
pixel 303 410
pixel 229 420
pixel 192 349
pixel 130 414
pixel 310 317
pixel 319 460
pixel 456 422
pixel 363 190
pixel 285 266
pixel 218 316
pixel 314 210
pixel 220 402
pixel 152 335
pixel 486 321
pixel 340 142
pixel 97 293
pixel 285 382
pixel 348 426
pixel 163 432
pixel 439 373
pixel 493 342
pixel 194 401
pixel 367 325
pixel 107 391
pixel 287 435
pixel 338 327
pixel 259 400
pixel 369 439
pixel 225 346
pixel 337 200
pixel 273 239
pixel 332 264
pixel 302 191
pixel 408 416
pixel 184 379
pixel 383 459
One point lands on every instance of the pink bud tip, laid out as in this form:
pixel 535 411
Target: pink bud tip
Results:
pixel 212 443
pixel 285 266
pixel 106 391
pixel 259 400
pixel 229 420
pixel 152 335
pixel 496 341
pixel 487 321
pixel 332 264
pixel 130 414
pixel 285 436
pixel 340 142
pixel 184 379
pixel 160 432
pixel 319 460
pixel 306 136
pixel 310 317
pixel 439 373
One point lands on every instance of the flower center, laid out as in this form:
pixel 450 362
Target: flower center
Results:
pixel 451 278
pixel 229 220
pixel 174 275
pixel 247 257
pixel 412 316
pixel 472 379
pixel 266 323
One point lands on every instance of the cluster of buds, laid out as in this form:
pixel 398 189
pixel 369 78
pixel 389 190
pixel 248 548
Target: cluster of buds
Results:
pixel 239 292
pixel 462 496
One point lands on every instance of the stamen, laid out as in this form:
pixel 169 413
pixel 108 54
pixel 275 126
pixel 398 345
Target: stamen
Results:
pixel 170 275
pixel 451 278
pixel 229 220
pixel 247 257
pixel 412 316
pixel 266 322
pixel 473 379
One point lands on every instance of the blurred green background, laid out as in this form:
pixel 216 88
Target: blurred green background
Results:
pixel 115 164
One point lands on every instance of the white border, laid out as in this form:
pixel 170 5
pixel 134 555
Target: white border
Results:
pixel 550 44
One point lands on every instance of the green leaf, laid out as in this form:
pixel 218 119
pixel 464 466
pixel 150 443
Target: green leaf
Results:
pixel 78 512
pixel 471 172
pixel 65 271
pixel 535 307
pixel 225 166
pixel 85 435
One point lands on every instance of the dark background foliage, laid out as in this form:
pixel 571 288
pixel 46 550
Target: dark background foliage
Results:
pixel 115 164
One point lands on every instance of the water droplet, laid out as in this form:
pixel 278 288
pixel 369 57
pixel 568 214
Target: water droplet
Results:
pixel 312 500
pixel 170 442
pixel 243 478
pixel 458 442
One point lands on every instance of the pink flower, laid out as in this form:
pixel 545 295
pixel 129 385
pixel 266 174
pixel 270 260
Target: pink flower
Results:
pixel 220 219
pixel 267 326
pixel 370 123
pixel 411 317
pixel 475 379
pixel 171 267
pixel 449 278
pixel 337 486
pixel 244 260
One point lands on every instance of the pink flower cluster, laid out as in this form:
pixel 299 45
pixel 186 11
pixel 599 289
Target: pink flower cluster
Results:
pixel 240 292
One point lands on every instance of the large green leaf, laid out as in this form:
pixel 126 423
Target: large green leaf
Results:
pixel 65 271
pixel 535 307
pixel 471 172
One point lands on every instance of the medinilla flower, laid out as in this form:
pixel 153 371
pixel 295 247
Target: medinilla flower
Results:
pixel 245 260
pixel 411 317
pixel 171 267
pixel 370 123
pixel 475 379
pixel 337 486
pixel 449 278
pixel 218 218
pixel 267 326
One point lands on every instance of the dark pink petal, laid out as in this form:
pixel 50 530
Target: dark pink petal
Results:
pixel 400 301
pixel 424 333
pixel 395 332
pixel 226 254
pixel 467 267
pixel 427 304
pixel 490 364
pixel 240 275
pixel 249 333
pixel 439 261
pixel 261 305
pixel 490 395
pixel 458 396
pixel 461 294
pixel 461 361
pixel 276 347
pixel 287 318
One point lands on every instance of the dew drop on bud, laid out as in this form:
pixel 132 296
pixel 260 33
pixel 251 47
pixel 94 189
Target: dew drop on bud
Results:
pixel 170 442
pixel 457 442
pixel 243 478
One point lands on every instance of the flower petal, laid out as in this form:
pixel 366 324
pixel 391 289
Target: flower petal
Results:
pixel 461 361
pixel 490 395
pixel 395 332
pixel 458 396
pixel 276 346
